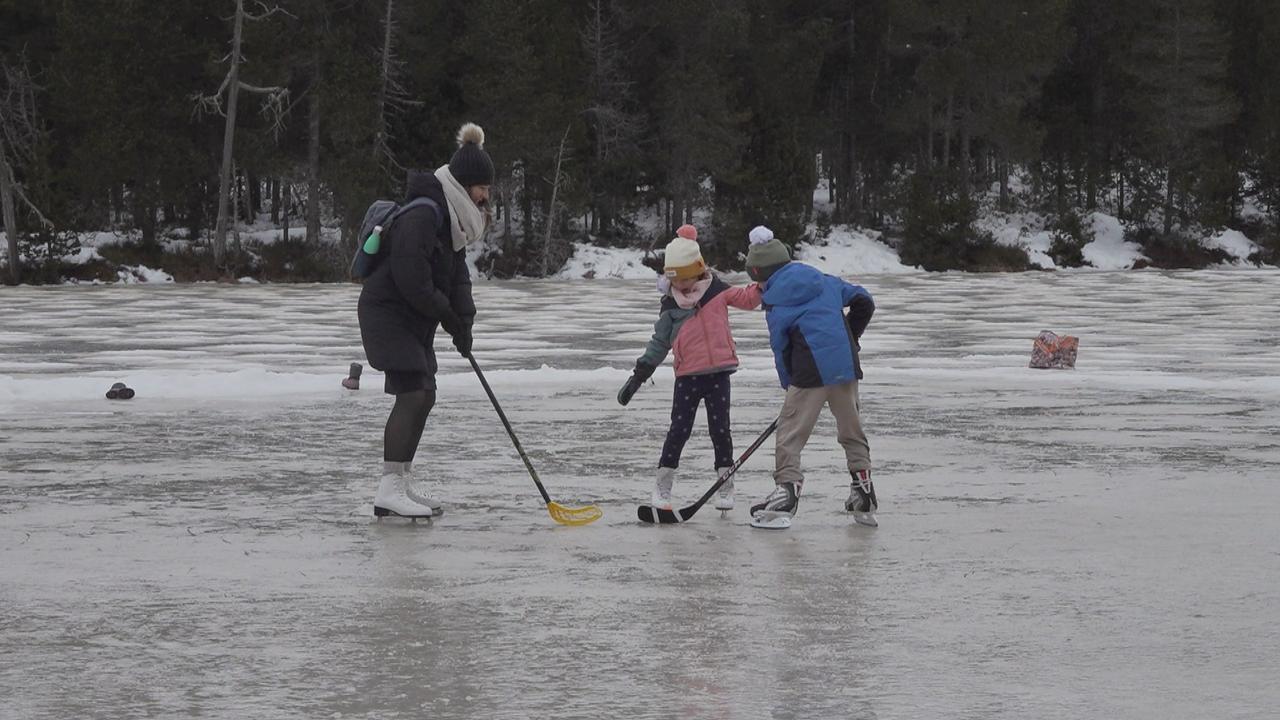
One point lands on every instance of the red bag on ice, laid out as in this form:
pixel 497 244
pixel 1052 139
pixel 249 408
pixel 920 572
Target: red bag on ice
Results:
pixel 1052 351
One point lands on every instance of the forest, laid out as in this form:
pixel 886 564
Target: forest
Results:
pixel 180 125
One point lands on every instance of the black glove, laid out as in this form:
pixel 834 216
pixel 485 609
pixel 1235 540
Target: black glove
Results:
pixel 450 322
pixel 443 311
pixel 861 308
pixel 462 338
pixel 642 372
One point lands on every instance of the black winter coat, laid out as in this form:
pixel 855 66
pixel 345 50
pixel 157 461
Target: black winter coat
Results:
pixel 421 282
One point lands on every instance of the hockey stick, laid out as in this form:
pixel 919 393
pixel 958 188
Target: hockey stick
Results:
pixel 650 514
pixel 559 513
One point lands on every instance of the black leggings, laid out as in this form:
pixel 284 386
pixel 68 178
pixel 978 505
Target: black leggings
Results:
pixel 404 426
pixel 690 392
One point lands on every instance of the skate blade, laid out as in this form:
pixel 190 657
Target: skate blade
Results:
pixel 381 512
pixel 771 521
pixel 866 518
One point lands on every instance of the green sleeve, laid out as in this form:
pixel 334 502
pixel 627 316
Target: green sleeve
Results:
pixel 660 344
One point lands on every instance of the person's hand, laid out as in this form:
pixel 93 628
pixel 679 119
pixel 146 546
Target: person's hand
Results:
pixel 462 339
pixel 642 372
pixel 629 388
pixel 449 320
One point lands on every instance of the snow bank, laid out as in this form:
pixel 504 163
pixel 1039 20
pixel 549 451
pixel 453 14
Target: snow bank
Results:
pixel 848 251
pixel 1109 250
pixel 1025 230
pixel 589 261
pixel 143 274
pixel 1233 243
pixel 153 383
pixel 255 383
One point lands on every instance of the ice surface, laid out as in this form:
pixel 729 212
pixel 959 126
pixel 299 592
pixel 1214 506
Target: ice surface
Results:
pixel 1052 544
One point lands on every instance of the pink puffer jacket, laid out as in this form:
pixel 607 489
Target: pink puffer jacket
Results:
pixel 704 343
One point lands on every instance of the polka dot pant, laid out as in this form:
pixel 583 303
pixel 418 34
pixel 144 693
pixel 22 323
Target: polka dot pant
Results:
pixel 690 392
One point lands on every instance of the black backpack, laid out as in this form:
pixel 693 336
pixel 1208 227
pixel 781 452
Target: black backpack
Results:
pixel 381 215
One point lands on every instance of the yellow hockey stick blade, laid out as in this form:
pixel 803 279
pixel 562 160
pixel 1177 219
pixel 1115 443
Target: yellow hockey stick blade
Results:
pixel 574 515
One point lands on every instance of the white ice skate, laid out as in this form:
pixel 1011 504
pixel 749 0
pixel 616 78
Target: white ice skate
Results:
pixel 662 488
pixel 393 498
pixel 724 496
pixel 419 492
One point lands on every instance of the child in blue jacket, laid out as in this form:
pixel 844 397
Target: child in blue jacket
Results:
pixel 815 350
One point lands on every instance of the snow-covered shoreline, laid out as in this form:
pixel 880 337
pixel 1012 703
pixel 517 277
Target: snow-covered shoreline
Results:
pixel 844 250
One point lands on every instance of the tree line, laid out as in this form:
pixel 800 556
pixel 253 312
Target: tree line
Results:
pixel 189 118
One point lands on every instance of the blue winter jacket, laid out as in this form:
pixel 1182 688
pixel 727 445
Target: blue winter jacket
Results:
pixel 813 342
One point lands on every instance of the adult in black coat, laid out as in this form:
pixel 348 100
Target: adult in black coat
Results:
pixel 421 285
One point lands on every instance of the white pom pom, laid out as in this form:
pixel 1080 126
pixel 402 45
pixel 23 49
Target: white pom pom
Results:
pixel 471 133
pixel 760 235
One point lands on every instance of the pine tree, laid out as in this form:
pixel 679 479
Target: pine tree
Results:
pixel 613 122
pixel 1179 66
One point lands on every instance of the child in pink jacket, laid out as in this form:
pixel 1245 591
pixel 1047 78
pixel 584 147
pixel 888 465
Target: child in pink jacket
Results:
pixel 694 323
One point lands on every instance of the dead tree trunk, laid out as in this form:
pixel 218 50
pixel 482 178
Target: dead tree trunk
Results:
pixel 313 166
pixel 19 132
pixel 232 85
pixel 380 146
pixel 228 140
pixel 551 212
pixel 10 218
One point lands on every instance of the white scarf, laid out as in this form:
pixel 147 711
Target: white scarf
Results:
pixel 468 220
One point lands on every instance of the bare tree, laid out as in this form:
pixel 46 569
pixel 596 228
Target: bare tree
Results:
pixel 274 99
pixel 392 97
pixel 19 131
pixel 313 158
pixel 556 181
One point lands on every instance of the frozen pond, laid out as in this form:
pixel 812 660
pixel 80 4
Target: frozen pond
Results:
pixel 1053 544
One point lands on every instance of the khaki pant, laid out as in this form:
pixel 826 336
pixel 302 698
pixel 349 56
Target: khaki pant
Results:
pixel 799 415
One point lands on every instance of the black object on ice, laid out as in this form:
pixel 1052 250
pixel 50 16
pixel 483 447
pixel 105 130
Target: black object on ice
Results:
pixel 120 391
pixel 352 381
pixel 651 514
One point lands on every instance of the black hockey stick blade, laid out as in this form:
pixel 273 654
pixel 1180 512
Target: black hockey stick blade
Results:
pixel 650 514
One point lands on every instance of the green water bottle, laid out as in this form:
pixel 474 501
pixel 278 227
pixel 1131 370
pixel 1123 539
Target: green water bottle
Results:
pixel 375 240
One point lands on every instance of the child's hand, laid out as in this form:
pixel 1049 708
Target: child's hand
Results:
pixel 629 389
pixel 642 372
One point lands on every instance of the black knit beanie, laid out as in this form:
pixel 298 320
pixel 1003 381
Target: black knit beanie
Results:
pixel 471 165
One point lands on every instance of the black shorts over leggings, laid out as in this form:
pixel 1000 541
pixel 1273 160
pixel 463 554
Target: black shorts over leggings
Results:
pixel 398 381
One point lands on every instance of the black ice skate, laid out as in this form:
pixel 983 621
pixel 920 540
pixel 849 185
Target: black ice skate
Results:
pixel 862 499
pixel 777 510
